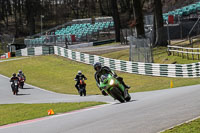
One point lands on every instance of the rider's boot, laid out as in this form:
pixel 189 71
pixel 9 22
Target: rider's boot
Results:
pixel 126 86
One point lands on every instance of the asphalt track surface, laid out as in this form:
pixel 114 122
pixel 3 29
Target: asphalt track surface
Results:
pixel 102 49
pixel 147 112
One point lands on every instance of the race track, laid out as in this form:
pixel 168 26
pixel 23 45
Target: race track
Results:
pixel 148 112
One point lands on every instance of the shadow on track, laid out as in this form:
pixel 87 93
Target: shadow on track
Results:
pixel 22 94
pixel 124 102
pixel 27 88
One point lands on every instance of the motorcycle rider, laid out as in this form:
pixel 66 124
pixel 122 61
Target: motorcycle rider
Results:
pixel 21 74
pixel 13 78
pixel 106 70
pixel 79 77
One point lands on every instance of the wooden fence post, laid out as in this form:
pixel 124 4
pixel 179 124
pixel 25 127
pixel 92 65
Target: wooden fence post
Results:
pixel 182 54
pixel 192 55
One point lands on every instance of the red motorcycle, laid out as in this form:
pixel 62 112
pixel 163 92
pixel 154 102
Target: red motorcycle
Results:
pixel 21 82
pixel 82 90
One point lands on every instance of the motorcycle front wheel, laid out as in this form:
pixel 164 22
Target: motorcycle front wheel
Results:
pixel 116 93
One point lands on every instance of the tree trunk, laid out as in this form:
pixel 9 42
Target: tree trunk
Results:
pixel 109 12
pixel 123 6
pixel 56 14
pixel 30 16
pixel 20 13
pixel 16 19
pixel 116 18
pixel 139 18
pixel 101 8
pixel 160 38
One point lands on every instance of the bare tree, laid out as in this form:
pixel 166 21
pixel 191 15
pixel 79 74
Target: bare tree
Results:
pixel 116 18
pixel 159 35
pixel 101 8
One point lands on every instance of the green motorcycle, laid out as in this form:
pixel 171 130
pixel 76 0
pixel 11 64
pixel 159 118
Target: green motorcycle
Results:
pixel 114 88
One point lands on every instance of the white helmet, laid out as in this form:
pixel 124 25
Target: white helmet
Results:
pixel 20 71
pixel 79 72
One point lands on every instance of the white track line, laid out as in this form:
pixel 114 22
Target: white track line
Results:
pixel 13 59
pixel 53 116
pixel 180 124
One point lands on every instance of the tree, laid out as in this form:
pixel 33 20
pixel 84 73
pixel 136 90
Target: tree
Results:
pixel 138 17
pixel 159 35
pixel 32 10
pixel 16 18
pixel 116 18
pixel 101 8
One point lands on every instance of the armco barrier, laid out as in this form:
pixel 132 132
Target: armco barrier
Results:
pixel 152 69
pixel 35 51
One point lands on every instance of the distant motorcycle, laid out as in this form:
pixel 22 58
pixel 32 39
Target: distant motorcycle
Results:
pixel 21 82
pixel 114 88
pixel 14 86
pixel 82 90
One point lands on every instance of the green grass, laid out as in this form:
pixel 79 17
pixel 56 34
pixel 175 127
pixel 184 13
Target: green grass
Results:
pixel 51 73
pixel 191 127
pixel 11 113
pixel 121 55
pixel 159 54
pixel 57 74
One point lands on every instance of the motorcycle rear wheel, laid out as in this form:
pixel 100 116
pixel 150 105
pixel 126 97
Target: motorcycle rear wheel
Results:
pixel 81 93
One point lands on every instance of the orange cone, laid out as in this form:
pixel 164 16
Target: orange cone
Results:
pixel 50 112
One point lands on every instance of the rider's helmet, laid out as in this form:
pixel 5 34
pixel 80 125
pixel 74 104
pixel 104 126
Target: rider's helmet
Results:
pixel 14 74
pixel 79 72
pixel 97 66
pixel 20 71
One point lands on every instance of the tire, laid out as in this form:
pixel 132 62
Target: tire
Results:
pixel 84 92
pixel 15 90
pixel 81 93
pixel 128 98
pixel 116 93
pixel 21 86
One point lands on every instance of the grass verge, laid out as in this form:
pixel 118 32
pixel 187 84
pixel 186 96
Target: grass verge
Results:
pixel 12 113
pixel 159 54
pixel 57 74
pixel 191 127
